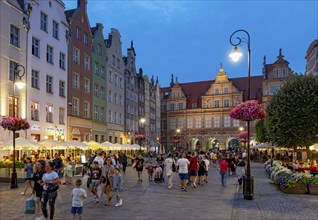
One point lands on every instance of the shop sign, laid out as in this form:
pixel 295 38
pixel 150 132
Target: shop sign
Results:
pixel 50 129
pixel 36 127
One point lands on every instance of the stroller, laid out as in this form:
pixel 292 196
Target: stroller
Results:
pixel 158 175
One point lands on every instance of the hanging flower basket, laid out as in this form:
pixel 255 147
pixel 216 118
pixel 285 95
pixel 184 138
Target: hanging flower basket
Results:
pixel 14 124
pixel 248 111
pixel 243 136
pixel 140 137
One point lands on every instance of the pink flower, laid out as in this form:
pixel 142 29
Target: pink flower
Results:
pixel 248 111
pixel 15 124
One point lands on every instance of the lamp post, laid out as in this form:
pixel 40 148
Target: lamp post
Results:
pixel 248 185
pixel 18 72
pixel 178 133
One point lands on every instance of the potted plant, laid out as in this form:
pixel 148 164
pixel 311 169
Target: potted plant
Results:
pixel 313 185
pixel 249 110
pixel 295 183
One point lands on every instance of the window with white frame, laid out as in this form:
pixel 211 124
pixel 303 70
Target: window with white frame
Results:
pixel 216 91
pixel 14 36
pixel 49 84
pixel 273 89
pixel 49 54
pixel 180 105
pixel 208 123
pixel 110 77
pixel 116 98
pixel 120 101
pixel 116 117
pixel 110 97
pixel 236 123
pixel 276 74
pixel 96 88
pixel 180 122
pixel 102 92
pixel 216 103
pixel 227 121
pixel 217 121
pixel 171 106
pixel 75 79
pixel 62 61
pixel 226 90
pixel 102 113
pixel 86 109
pixel 43 22
pixel 102 72
pixel 35 79
pixel 85 38
pixel 55 30
pixel 13 65
pixel 120 82
pixel 86 62
pixel 96 113
pixel 86 85
pixel 116 80
pixel 96 69
pixel 121 119
pixel 110 116
pixel 226 103
pixel 76 55
pixel 35 47
pixel 61 116
pixel 75 104
pixel 35 110
pixel 190 122
pixel 49 113
pixel 173 123
pixel 62 88
pixel 284 73
pixel 118 63
pixel 198 122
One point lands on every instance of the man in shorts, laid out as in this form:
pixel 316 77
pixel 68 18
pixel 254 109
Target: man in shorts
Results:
pixel 95 175
pixel 182 168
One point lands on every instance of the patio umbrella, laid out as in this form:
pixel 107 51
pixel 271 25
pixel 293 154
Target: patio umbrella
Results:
pixel 95 145
pixel 314 147
pixel 264 145
pixel 21 144
pixel 77 144
pixel 107 145
pixel 52 144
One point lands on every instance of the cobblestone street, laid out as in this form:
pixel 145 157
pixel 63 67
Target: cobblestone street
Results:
pixel 155 201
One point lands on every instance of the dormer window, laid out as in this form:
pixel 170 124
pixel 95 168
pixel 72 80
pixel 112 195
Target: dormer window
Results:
pixel 216 91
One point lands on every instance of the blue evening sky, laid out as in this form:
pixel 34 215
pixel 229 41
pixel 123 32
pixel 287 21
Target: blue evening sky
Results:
pixel 191 38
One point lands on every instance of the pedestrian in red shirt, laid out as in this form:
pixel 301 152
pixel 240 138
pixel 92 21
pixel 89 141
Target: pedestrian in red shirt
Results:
pixel 193 169
pixel 223 170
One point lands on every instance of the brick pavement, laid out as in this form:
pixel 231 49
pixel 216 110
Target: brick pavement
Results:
pixel 155 201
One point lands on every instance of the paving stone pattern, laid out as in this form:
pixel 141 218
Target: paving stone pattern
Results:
pixel 144 200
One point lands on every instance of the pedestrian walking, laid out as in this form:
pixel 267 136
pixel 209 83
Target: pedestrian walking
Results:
pixel 28 170
pixel 182 169
pixel 139 166
pixel 68 171
pixel 240 170
pixel 168 167
pixel 38 188
pixel 50 183
pixel 207 165
pixel 78 196
pixel 193 169
pixel 58 164
pixel 117 186
pixel 201 171
pixel 124 162
pixel 108 171
pixel 95 176
pixel 223 170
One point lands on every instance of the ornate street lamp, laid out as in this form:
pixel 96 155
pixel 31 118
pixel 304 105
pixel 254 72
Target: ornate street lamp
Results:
pixel 142 121
pixel 248 184
pixel 18 73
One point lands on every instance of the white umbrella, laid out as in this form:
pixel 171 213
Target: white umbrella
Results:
pixel 264 145
pixel 21 144
pixel 53 144
pixel 95 145
pixel 314 147
pixel 77 144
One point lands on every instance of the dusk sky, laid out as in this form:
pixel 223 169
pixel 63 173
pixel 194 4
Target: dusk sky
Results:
pixel 191 38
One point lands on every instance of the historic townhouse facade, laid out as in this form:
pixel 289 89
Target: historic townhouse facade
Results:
pixel 99 83
pixel 115 89
pixel 196 114
pixel 274 76
pixel 312 58
pixel 47 68
pixel 79 94
pixel 13 47
pixel 131 95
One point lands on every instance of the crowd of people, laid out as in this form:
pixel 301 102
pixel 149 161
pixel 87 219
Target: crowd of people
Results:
pixel 105 175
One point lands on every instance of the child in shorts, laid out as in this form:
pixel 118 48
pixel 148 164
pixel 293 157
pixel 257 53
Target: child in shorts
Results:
pixel 78 196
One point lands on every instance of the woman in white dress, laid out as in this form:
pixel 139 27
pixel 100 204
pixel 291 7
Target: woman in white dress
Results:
pixel 169 172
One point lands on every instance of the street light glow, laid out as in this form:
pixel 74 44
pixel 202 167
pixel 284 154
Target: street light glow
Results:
pixel 236 54
pixel 19 85
pixel 142 120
